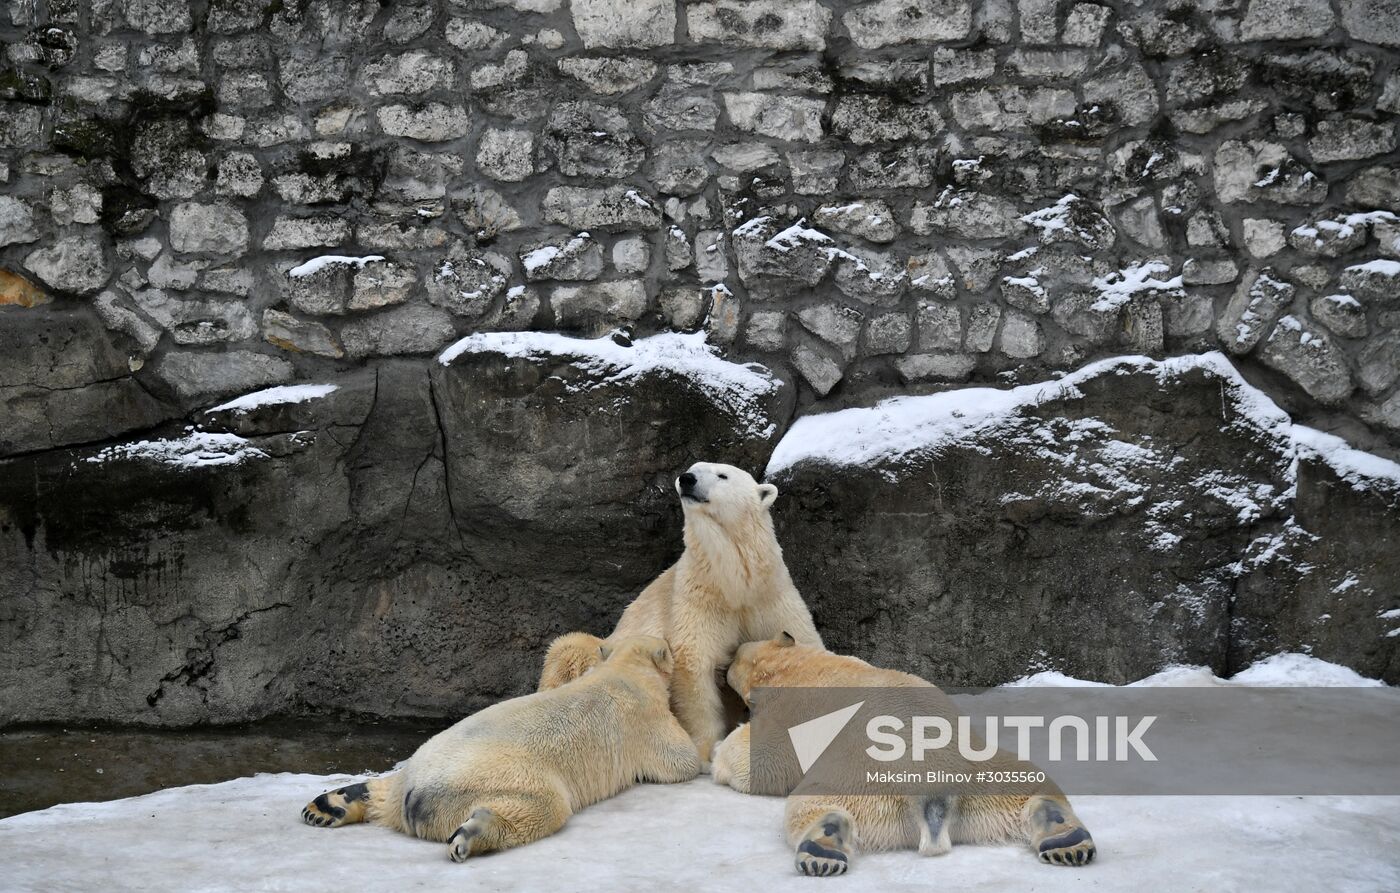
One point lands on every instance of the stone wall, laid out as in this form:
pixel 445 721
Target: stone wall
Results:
pixel 873 196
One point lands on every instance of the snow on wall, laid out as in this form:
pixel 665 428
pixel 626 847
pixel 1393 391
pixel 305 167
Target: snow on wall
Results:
pixel 282 394
pixel 737 386
pixel 900 426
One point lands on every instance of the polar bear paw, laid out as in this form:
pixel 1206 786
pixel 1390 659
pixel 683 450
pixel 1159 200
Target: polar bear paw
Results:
pixel 1074 847
pixel 467 840
pixel 343 806
pixel 1059 837
pixel 825 850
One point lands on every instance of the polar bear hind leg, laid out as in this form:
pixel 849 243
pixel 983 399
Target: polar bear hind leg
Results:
pixel 936 829
pixel 505 821
pixel 826 845
pixel 349 805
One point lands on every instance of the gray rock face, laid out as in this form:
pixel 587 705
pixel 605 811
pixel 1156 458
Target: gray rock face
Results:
pixel 216 229
pixel 467 282
pixel 590 139
pixel 63 381
pixel 202 376
pixel 16 222
pixel 196 321
pixel 616 206
pixel 1004 524
pixel 870 219
pixel 393 490
pixel 302 336
pixel 624 23
pixel 1253 308
pixel 891 22
pixel 579 257
pixel 77 264
pixel 431 122
pixel 597 307
pixel 1309 358
pixel 398 331
pixel 1372 21
pixel 781 117
pixel 1286 19
pixel 775 24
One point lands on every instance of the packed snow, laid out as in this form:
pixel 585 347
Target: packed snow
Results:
pixel 900 427
pixel 247 834
pixel 737 386
pixel 317 264
pixel 197 449
pixel 282 394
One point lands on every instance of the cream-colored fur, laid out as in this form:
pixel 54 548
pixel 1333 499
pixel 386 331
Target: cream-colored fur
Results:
pixel 729 586
pixel 516 771
pixel 826 830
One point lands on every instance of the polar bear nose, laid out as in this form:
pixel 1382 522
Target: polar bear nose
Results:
pixel 687 481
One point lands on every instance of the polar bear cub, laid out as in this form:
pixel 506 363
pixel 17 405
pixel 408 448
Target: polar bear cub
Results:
pixel 729 586
pixel 514 772
pixel 826 830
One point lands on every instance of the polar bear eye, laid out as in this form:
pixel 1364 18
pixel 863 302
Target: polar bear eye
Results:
pixel 724 477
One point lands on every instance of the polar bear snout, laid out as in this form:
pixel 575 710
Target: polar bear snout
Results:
pixel 687 485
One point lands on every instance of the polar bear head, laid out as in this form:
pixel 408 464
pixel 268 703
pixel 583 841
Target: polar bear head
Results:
pixel 751 665
pixel 639 651
pixel 723 493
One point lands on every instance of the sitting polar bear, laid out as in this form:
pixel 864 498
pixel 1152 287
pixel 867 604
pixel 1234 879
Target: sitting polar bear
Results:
pixel 514 772
pixel 826 829
pixel 729 586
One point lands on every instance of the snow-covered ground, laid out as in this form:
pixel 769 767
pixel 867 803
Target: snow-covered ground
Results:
pixel 247 834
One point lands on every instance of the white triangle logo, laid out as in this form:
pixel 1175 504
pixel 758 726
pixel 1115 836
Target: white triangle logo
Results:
pixel 810 739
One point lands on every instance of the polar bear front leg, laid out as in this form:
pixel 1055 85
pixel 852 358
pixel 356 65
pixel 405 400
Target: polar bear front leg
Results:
pixel 731 760
pixel 672 758
pixel 696 701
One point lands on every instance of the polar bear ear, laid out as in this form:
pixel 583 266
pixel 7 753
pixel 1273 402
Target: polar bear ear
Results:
pixel 662 658
pixel 766 494
pixel 785 640
pixel 604 652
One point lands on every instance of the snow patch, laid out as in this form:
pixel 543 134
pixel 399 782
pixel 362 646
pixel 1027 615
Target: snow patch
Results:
pixel 1389 268
pixel 299 393
pixel 1116 289
pixel 249 837
pixel 317 264
pixel 199 449
pixel 1288 670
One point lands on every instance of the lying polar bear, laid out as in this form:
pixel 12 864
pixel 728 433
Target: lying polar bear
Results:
pixel 826 830
pixel 514 772
pixel 729 586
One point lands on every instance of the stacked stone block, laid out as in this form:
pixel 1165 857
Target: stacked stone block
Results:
pixel 897 194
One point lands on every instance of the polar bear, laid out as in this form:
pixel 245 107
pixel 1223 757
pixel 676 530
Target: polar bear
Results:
pixel 825 830
pixel 514 772
pixel 729 586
